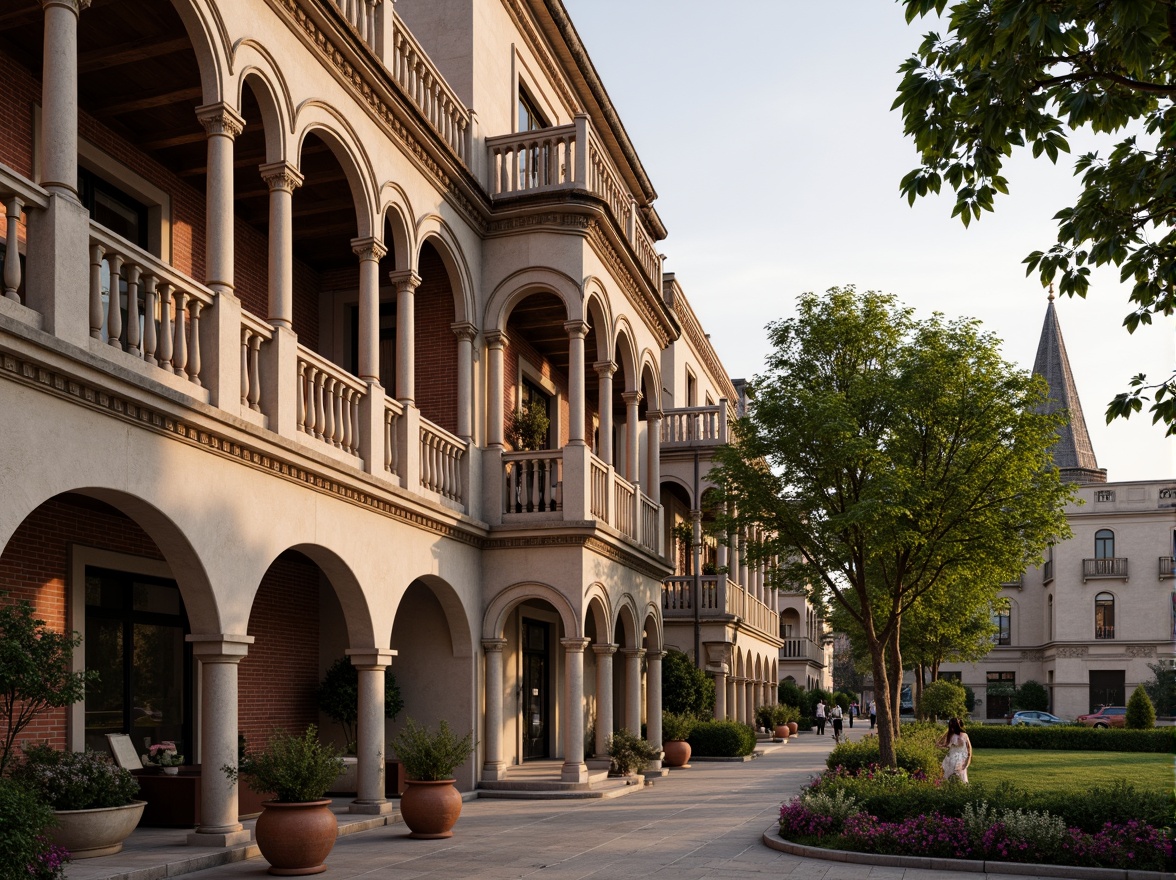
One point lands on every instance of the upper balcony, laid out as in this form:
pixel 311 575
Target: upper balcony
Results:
pixel 721 599
pixel 1110 567
pixel 802 649
pixel 695 427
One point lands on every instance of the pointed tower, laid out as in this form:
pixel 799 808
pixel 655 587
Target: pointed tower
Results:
pixel 1073 453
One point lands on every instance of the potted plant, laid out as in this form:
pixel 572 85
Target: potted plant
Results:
pixel 165 756
pixel 528 426
pixel 675 731
pixel 629 753
pixel 296 830
pixel 93 800
pixel 431 804
pixel 338 699
pixel 784 719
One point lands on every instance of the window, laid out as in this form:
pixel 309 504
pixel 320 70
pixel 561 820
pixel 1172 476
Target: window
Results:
pixel 530 119
pixel 999 693
pixel 1047 571
pixel 113 208
pixel 1104 544
pixel 951 676
pixel 1049 620
pixel 1104 616
pixel 1001 621
pixel 691 389
pixel 1108 687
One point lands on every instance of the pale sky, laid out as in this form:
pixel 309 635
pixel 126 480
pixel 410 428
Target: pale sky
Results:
pixel 765 126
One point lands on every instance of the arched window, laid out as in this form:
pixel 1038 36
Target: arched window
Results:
pixel 1001 619
pixel 1104 544
pixel 1104 616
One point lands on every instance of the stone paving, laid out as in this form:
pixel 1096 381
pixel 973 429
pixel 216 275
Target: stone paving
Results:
pixel 700 823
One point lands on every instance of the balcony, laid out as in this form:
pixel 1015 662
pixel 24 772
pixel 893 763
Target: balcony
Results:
pixel 1111 567
pixel 802 649
pixel 695 426
pixel 1165 567
pixel 720 599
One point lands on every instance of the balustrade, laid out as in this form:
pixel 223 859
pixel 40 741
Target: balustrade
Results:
pixel 802 649
pixel 703 425
pixel 424 85
pixel 328 402
pixel 532 481
pixel 1111 567
pixel 254 333
pixel 624 516
pixel 533 161
pixel 599 488
pixel 361 14
pixel 393 412
pixel 17 195
pixel 441 457
pixel 678 596
pixel 650 523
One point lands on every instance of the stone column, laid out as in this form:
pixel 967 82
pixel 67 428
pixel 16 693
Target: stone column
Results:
pixel 604 696
pixel 495 343
pixel 632 456
pixel 370 251
pixel 721 696
pixel 653 445
pixel 282 178
pixel 633 689
pixel 653 702
pixel 720 551
pixel 222 124
pixel 574 768
pixel 406 281
pixel 741 700
pixel 466 334
pixel 493 766
pixel 577 330
pixel 371 664
pixel 59 97
pixel 605 370
pixel 732 703
pixel 743 568
pixel 218 656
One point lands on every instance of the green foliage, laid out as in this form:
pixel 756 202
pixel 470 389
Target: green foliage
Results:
pixel 296 768
pixel 686 690
pixel 789 694
pixel 528 426
pixel 1031 697
pixel 944 699
pixel 1162 688
pixel 429 757
pixel 722 739
pixel 915 752
pixel 1072 738
pixel 35 671
pixel 24 816
pixel 1008 75
pixel 676 726
pixel 338 697
pixel 786 714
pixel 630 753
pixel 773 715
pixel 843 700
pixel 75 780
pixel 1141 714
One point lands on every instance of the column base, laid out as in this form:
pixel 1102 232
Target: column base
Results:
pixel 372 808
pixel 574 772
pixel 493 772
pixel 220 838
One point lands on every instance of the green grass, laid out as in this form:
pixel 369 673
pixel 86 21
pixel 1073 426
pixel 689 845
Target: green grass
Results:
pixel 1034 770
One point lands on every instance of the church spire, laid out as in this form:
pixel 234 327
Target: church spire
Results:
pixel 1073 453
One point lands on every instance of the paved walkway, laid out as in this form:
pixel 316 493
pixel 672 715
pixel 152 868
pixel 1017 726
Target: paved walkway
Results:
pixel 696 824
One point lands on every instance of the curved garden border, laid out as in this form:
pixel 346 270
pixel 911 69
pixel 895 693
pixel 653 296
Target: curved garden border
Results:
pixel 773 840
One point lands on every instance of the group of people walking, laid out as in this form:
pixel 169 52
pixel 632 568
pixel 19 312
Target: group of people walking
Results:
pixel 834 713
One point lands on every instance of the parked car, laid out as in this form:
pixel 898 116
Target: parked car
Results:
pixel 1107 716
pixel 1035 719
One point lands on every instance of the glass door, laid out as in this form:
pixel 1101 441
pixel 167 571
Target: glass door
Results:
pixel 535 690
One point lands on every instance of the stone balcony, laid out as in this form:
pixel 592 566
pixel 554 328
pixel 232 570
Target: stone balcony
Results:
pixel 720 599
pixel 802 649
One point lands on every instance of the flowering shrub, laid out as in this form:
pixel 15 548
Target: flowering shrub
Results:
pixel 1133 845
pixel 75 780
pixel 49 863
pixel 928 835
pixel 915 751
pixel 23 820
pixel 164 754
pixel 798 821
pixel 1015 830
pixel 837 806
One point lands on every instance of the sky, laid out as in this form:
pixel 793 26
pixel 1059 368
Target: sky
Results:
pixel 765 126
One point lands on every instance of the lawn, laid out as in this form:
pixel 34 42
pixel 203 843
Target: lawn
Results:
pixel 1040 770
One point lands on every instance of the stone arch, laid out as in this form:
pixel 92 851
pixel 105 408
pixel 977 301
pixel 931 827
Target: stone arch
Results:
pixel 651 627
pixel 494 620
pixel 650 381
pixel 210 43
pixel 318 118
pixel 434 230
pixel 599 316
pixel 346 587
pixel 680 483
pixel 598 609
pixel 626 620
pixel 519 285
pixel 396 211
pixel 461 630
pixel 261 75
pixel 625 352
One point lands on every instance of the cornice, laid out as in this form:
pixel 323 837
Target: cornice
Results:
pixel 589 542
pixel 650 307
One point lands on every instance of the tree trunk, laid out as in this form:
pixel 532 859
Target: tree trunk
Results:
pixel 886 754
pixel 919 668
pixel 895 657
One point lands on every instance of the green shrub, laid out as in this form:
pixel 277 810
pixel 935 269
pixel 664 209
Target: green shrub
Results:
pixel 764 716
pixel 686 690
pixel 677 727
pixel 629 753
pixel 1072 738
pixel 1141 714
pixel 427 756
pixel 786 714
pixel 75 780
pixel 722 739
pixel 1162 687
pixel 944 699
pixel 296 768
pixel 789 694
pixel 24 816
pixel 915 751
pixel 1031 697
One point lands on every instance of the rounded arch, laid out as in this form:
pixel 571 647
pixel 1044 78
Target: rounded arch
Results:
pixel 679 483
pixel 652 629
pixel 461 631
pixel 739 663
pixel 318 118
pixel 356 613
pixel 759 669
pixel 599 315
pixel 396 210
pixel 494 620
pixel 519 285
pixel 625 352
pixel 597 608
pixel 210 42
pixel 626 618
pixel 433 229
pixel 650 381
pixel 261 75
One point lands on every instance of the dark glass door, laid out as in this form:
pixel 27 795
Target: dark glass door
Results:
pixel 535 690
pixel 1107 688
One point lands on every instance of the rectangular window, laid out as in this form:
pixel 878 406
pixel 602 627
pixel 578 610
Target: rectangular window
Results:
pixel 113 208
pixel 1002 635
pixel 1108 687
pixel 998 696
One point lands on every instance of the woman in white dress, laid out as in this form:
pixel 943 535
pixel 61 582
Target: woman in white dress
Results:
pixel 959 751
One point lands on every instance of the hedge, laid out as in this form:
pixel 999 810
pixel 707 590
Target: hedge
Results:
pixel 722 739
pixel 1073 738
pixel 915 751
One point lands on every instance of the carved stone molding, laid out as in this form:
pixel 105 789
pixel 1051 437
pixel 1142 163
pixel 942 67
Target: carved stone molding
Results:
pixel 1033 655
pixel 1141 650
pixel 1073 651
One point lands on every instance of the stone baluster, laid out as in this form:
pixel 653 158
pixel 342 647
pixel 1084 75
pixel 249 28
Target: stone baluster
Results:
pixel 114 302
pixel 180 350
pixel 166 341
pixel 97 254
pixel 132 275
pixel 12 211
pixel 246 376
pixel 150 339
pixel 196 306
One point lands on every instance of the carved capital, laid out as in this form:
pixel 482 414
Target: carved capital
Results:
pixel 464 330
pixel 633 652
pixel 368 249
pixel 281 176
pixel 74 6
pixel 405 280
pixel 576 329
pixel 631 398
pixel 370 659
pixel 604 368
pixel 496 339
pixel 574 646
pixel 220 119
pixel 493 646
pixel 606 650
pixel 653 415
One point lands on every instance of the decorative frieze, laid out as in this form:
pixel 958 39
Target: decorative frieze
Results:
pixel 1073 651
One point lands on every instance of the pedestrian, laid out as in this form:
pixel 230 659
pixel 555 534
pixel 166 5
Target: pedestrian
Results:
pixel 959 751
pixel 821 717
pixel 836 714
pixel 853 710
pixel 873 714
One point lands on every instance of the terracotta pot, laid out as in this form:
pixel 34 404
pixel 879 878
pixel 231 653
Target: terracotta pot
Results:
pixel 793 726
pixel 296 838
pixel 100 832
pixel 783 731
pixel 677 752
pixel 430 808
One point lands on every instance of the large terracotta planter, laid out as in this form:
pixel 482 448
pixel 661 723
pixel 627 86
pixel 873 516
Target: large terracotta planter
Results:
pixel 430 808
pixel 101 832
pixel 677 752
pixel 296 838
pixel 783 731
pixel 793 726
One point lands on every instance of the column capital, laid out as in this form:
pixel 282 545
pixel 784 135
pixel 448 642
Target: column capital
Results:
pixel 371 658
pixel 493 646
pixel 574 646
pixel 369 248
pixel 576 329
pixel 633 652
pixel 606 650
pixel 604 368
pixel 74 6
pixel 464 330
pixel 220 119
pixel 219 647
pixel 653 415
pixel 654 655
pixel 405 279
pixel 281 176
pixel 631 398
pixel 496 339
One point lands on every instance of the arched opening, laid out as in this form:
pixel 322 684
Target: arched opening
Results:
pixel 1104 616
pixel 435 343
pixel 535 370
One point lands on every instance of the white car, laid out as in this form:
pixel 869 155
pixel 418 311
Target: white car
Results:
pixel 1035 719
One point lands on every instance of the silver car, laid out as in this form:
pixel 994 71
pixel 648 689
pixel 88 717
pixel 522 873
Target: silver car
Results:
pixel 1035 719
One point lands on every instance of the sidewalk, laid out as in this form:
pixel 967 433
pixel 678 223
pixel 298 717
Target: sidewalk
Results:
pixel 696 824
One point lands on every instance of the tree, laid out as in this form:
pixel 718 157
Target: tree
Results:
pixel 1141 714
pixel 35 671
pixel 1014 73
pixel 944 699
pixel 883 455
pixel 338 697
pixel 686 690
pixel 1031 697
pixel 1162 688
pixel 848 674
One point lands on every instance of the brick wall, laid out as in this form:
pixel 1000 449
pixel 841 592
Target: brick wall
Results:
pixel 436 344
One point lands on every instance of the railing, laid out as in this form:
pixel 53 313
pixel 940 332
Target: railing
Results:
pixel 1111 567
pixel 604 181
pixel 362 15
pixel 678 596
pixel 802 649
pixel 1016 584
pixel 1165 567
pixel 624 520
pixel 533 481
pixel 650 523
pixel 532 161
pixel 254 332
pixel 428 90
pixel 161 320
pixel 703 425
pixel 17 195
pixel 598 503
pixel 441 455
pixel 393 412
pixel 328 402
